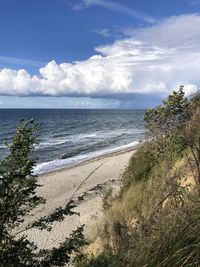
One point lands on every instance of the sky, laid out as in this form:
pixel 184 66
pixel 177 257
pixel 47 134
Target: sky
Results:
pixel 97 53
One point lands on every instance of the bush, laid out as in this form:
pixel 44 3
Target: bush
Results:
pixel 105 259
pixel 140 166
pixel 18 198
pixel 155 221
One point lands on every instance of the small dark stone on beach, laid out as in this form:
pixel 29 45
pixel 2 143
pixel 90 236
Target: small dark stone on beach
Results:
pixel 80 198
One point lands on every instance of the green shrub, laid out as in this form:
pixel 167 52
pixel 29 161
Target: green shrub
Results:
pixel 155 221
pixel 105 259
pixel 18 198
pixel 140 166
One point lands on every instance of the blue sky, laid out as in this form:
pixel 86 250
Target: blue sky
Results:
pixel 97 53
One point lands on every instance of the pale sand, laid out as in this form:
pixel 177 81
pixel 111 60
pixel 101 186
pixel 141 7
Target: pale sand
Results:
pixel 59 186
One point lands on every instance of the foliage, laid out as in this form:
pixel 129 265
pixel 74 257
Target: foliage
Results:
pixel 140 166
pixel 105 259
pixel 191 136
pixel 17 191
pixel 18 198
pixel 107 199
pixel 164 124
pixel 168 239
pixel 155 221
pixel 165 118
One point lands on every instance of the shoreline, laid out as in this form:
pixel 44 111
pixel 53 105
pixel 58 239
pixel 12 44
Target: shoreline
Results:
pixel 103 173
pixel 94 158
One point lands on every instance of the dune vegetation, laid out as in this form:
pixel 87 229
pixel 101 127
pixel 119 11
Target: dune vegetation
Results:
pixel 155 219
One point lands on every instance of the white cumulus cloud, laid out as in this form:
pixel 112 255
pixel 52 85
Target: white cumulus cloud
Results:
pixel 152 60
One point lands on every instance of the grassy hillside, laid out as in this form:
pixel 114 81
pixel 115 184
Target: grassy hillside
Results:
pixel 155 219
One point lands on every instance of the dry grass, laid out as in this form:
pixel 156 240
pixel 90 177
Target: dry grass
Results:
pixel 154 222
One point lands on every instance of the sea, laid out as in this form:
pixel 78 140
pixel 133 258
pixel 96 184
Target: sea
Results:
pixel 68 137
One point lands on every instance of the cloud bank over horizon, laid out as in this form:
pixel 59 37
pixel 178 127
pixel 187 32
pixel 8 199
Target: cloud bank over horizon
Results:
pixel 151 60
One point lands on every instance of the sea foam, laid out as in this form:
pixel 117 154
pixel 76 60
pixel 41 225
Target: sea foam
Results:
pixel 58 164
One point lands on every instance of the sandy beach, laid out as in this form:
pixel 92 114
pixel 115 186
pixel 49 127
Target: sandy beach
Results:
pixel 87 184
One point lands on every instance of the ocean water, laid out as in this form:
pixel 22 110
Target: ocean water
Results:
pixel 68 137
